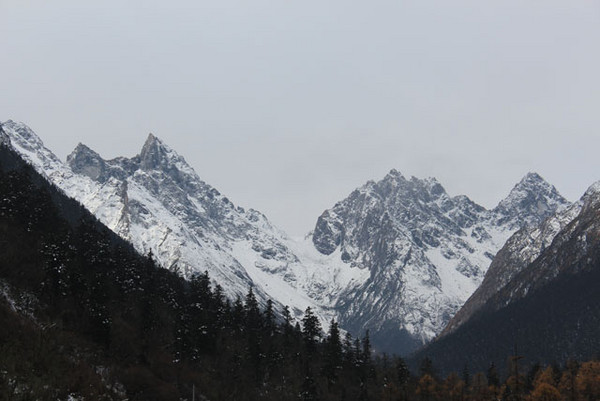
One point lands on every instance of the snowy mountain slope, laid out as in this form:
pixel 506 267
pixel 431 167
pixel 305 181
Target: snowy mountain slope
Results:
pixel 426 252
pixel 156 201
pixel 398 257
pixel 573 248
pixel 519 251
pixel 543 296
pixel 528 203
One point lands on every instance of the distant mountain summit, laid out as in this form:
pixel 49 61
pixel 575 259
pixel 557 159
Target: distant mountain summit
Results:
pixel 519 251
pixel 529 203
pixel 425 250
pixel 156 201
pixel 398 257
pixel 540 292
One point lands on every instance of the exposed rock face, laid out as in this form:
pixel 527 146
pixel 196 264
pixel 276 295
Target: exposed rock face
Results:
pixel 573 249
pixel 4 139
pixel 398 257
pixel 541 293
pixel 156 201
pixel 529 203
pixel 426 252
pixel 519 251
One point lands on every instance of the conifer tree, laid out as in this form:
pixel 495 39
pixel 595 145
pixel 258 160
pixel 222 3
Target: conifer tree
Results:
pixel 253 318
pixel 466 375
pixel 237 315
pixel 402 375
pixel 333 353
pixel 311 329
pixel 366 346
pixel 493 380
pixel 492 375
pixel 426 367
pixel 287 317
pixel 270 325
pixel 348 351
pixel 358 355
pixel 253 323
pixel 308 391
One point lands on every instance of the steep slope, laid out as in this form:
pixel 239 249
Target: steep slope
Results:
pixel 59 273
pixel 156 201
pixel 425 251
pixel 519 251
pixel 397 257
pixel 573 250
pixel 85 317
pixel 550 307
pixel 528 203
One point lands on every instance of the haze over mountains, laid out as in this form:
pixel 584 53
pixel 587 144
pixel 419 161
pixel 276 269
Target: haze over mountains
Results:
pixel 397 257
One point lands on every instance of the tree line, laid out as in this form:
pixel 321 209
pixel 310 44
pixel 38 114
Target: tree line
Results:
pixel 83 316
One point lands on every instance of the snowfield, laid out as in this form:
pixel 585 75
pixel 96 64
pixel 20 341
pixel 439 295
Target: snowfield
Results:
pixel 399 251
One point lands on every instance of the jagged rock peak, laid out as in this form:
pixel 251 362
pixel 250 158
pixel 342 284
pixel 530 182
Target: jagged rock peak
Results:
pixel 84 160
pixel 591 197
pixel 154 154
pixel 530 201
pixel 533 180
pixel 394 183
pixel 82 149
pixel 395 174
pixel 593 190
pixel 157 155
pixel 394 200
pixel 532 183
pixel 29 144
pixel 23 130
pixel 24 133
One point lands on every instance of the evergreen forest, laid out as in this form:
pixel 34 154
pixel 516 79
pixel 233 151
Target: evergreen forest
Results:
pixel 85 317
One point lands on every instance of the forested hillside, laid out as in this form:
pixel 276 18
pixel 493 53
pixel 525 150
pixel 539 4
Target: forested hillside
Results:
pixel 84 317
pixel 81 313
pixel 549 309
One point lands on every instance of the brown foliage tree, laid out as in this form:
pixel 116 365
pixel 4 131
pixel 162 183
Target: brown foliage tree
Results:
pixel 545 392
pixel 587 381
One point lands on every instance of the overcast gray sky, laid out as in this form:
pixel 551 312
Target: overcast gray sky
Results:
pixel 287 106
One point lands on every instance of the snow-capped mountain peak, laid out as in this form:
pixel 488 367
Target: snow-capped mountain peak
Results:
pixel 87 162
pixel 531 198
pixel 426 251
pixel 156 154
pixel 591 196
pixel 398 256
pixel 29 144
pixel 157 201
pixel 531 257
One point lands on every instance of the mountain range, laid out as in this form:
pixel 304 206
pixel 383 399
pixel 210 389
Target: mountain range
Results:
pixel 540 297
pixel 397 257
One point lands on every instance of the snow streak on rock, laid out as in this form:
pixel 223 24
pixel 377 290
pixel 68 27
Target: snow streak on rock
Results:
pixel 426 252
pixel 535 255
pixel 398 256
pixel 156 201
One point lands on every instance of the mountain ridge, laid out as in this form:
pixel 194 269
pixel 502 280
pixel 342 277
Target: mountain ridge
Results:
pixel 425 250
pixel 397 256
pixel 543 296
